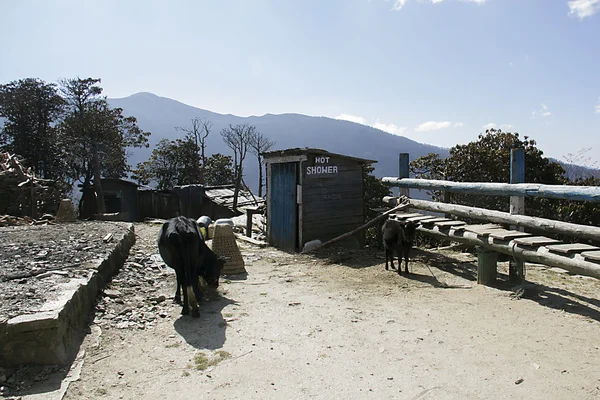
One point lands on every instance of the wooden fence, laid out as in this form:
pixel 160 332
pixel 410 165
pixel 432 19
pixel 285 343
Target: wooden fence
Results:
pixel 491 239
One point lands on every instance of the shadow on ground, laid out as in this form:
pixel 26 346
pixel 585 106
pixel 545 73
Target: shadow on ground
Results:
pixel 356 259
pixel 235 277
pixel 208 330
pixel 543 294
pixel 464 269
pixel 29 380
pixel 564 300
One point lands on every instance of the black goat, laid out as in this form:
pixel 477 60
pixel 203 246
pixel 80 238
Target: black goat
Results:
pixel 400 237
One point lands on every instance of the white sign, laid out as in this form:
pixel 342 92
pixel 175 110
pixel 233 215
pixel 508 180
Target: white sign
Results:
pixel 324 169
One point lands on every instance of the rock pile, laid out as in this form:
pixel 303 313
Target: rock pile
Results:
pixel 137 297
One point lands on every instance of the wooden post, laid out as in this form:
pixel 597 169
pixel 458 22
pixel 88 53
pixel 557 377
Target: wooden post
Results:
pixel 403 172
pixel 487 270
pixel 516 270
pixel 250 211
pixel 447 201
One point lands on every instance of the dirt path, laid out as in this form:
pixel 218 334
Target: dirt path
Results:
pixel 302 327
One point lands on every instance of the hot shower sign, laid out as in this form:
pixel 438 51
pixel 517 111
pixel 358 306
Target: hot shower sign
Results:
pixel 322 167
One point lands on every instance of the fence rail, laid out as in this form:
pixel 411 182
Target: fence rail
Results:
pixel 563 192
pixel 534 223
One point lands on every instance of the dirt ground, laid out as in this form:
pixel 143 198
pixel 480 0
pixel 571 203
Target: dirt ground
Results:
pixel 339 327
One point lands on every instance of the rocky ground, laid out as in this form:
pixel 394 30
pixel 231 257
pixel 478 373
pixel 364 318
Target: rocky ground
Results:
pixel 35 260
pixel 336 325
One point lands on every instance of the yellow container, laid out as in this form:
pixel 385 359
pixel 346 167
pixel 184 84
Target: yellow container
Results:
pixel 204 232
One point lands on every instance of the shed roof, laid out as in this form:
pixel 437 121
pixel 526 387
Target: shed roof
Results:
pixel 307 150
pixel 119 180
pixel 223 196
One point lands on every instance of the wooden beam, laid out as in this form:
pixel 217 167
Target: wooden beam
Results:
pixel 564 192
pixel 406 215
pixel 575 263
pixel 535 241
pixel 593 256
pixel 569 248
pixel 258 243
pixel 433 221
pixel 534 223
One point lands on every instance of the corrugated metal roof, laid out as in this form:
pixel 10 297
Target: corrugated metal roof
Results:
pixel 223 196
pixel 299 151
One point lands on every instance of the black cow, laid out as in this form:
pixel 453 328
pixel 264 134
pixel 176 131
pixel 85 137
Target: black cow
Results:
pixel 400 237
pixel 210 270
pixel 182 247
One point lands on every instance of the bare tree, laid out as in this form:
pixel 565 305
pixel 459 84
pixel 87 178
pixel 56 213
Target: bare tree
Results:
pixel 238 138
pixel 199 130
pixel 580 165
pixel 259 145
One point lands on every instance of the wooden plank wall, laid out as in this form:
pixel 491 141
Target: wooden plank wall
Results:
pixel 158 204
pixel 332 202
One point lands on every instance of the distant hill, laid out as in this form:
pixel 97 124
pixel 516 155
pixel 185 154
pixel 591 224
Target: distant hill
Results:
pixel 161 115
pixel 574 171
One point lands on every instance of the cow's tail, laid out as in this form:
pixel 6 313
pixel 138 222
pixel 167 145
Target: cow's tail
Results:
pixel 188 262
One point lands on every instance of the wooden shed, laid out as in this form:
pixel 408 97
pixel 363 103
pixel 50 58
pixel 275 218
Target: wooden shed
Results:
pixel 158 203
pixel 120 199
pixel 213 201
pixel 312 194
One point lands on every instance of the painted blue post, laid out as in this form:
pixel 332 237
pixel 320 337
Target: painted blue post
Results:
pixel 516 270
pixel 403 172
pixel 517 166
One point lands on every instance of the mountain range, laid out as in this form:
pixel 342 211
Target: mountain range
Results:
pixel 160 116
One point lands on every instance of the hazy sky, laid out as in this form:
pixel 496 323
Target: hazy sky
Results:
pixel 436 71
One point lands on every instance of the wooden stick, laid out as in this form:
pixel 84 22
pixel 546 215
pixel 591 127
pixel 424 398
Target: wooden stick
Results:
pixel 36 273
pixel 360 228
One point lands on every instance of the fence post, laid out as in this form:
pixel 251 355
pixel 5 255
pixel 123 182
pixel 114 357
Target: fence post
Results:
pixel 403 172
pixel 447 201
pixel 487 267
pixel 516 269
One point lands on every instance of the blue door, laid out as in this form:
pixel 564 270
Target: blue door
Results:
pixel 283 212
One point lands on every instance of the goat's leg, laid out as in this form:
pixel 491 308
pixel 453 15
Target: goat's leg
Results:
pixel 387 256
pixel 406 251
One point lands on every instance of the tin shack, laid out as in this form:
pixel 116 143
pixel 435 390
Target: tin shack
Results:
pixel 313 194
